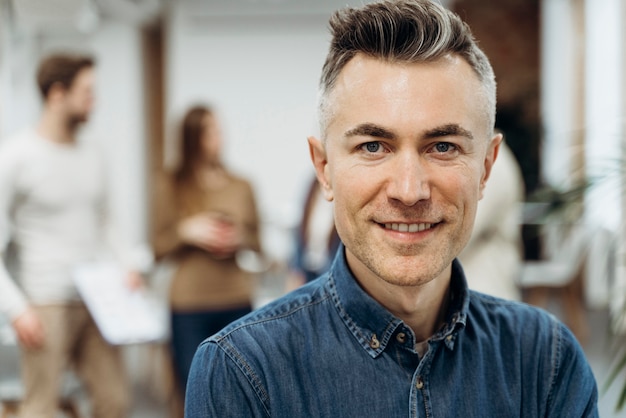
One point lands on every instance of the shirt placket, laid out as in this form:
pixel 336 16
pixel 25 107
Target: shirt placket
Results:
pixel 420 401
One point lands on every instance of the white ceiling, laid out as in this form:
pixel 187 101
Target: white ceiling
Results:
pixel 84 15
pixel 80 15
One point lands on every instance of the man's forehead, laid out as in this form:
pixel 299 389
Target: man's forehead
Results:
pixel 365 65
pixel 367 79
pixel 84 78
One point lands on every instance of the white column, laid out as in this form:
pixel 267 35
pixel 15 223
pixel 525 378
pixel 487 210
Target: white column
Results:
pixel 604 109
pixel 559 53
pixel 604 133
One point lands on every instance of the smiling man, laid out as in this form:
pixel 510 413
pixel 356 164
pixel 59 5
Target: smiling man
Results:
pixel 407 110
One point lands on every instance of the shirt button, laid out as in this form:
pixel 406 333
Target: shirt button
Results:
pixel 420 383
pixel 401 337
pixel 449 338
pixel 374 343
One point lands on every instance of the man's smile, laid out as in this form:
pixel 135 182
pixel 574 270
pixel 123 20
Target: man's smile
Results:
pixel 408 227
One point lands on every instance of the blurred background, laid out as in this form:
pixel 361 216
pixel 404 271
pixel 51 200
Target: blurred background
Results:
pixel 561 71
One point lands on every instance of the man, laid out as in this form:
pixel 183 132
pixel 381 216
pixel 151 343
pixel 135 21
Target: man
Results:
pixel 52 205
pixel 407 112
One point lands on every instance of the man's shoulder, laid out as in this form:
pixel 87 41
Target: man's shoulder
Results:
pixel 514 318
pixel 498 306
pixel 536 347
pixel 15 150
pixel 280 315
pixel 19 142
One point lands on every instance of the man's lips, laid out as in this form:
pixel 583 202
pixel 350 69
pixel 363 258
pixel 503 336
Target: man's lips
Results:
pixel 408 227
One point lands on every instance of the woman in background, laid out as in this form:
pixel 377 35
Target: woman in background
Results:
pixel 205 216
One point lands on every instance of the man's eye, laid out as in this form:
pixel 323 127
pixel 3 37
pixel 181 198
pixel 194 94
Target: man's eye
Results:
pixel 372 147
pixel 443 147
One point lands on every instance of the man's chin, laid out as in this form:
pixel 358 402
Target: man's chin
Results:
pixel 79 120
pixel 409 278
pixel 414 268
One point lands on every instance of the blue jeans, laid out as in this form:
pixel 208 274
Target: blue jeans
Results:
pixel 189 329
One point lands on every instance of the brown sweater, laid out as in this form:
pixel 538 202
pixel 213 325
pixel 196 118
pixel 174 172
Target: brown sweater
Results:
pixel 202 282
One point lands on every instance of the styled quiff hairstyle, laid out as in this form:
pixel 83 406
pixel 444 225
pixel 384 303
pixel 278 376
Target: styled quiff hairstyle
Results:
pixel 60 69
pixel 403 31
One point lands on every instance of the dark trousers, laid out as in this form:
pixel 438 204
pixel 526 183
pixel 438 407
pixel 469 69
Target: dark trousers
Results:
pixel 189 329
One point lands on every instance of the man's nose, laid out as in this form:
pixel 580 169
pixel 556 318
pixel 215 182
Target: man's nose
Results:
pixel 408 179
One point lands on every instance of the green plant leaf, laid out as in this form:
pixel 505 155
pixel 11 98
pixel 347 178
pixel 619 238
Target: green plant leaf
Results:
pixel 621 365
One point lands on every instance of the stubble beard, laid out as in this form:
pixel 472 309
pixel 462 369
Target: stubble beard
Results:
pixel 75 121
pixel 405 267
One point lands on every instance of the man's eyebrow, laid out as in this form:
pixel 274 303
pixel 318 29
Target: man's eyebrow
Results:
pixel 451 129
pixel 370 129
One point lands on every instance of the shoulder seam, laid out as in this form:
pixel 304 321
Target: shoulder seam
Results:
pixel 218 338
pixel 555 361
pixel 223 343
pixel 252 378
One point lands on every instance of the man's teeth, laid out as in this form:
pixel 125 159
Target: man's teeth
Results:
pixel 408 227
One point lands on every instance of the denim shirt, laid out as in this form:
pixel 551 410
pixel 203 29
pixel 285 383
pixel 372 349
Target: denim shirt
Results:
pixel 329 350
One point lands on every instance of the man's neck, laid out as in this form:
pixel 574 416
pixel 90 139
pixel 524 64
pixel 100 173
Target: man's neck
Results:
pixel 55 128
pixel 423 308
pixel 429 313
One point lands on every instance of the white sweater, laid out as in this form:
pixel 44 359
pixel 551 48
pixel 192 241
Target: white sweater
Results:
pixel 52 208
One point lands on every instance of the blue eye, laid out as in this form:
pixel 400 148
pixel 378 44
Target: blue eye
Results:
pixel 443 147
pixel 372 146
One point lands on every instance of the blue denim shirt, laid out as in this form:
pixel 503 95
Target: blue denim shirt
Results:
pixel 330 350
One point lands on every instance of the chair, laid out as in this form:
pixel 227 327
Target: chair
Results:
pixel 560 274
pixel 11 389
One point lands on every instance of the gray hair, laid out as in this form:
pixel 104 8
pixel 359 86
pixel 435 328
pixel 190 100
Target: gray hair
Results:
pixel 401 31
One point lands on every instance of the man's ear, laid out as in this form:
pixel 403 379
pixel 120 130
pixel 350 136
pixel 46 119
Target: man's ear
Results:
pixel 56 93
pixel 320 162
pixel 490 158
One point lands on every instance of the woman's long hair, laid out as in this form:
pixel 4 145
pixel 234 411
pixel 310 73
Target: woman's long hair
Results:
pixel 192 155
pixel 191 133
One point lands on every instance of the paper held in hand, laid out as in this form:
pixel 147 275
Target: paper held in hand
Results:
pixel 124 316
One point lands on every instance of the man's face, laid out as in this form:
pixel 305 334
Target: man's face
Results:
pixel 405 159
pixel 79 98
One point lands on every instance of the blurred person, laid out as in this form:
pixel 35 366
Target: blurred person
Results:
pixel 407 110
pixel 493 257
pixel 316 239
pixel 205 216
pixel 53 209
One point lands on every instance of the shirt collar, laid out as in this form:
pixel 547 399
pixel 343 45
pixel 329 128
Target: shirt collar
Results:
pixel 372 325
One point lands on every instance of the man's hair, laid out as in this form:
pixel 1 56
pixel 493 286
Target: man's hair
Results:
pixel 404 31
pixel 60 69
